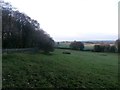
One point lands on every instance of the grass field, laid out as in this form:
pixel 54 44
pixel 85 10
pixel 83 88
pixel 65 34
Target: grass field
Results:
pixel 79 69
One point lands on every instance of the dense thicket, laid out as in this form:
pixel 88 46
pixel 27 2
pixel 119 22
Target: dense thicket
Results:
pixel 77 45
pixel 20 31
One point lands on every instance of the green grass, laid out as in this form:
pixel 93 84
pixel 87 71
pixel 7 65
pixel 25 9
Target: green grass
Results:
pixel 79 69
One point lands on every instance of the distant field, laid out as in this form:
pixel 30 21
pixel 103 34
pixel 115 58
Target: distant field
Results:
pixel 89 46
pixel 65 45
pixel 86 46
pixel 79 69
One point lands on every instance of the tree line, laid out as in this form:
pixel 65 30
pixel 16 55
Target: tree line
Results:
pixel 103 47
pixel 21 31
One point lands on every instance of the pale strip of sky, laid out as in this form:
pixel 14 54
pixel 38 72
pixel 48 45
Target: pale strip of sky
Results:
pixel 73 19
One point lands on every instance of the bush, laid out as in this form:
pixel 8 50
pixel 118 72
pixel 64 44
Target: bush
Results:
pixel 101 48
pixel 77 46
pixel 97 48
pixel 112 49
pixel 107 48
pixel 104 48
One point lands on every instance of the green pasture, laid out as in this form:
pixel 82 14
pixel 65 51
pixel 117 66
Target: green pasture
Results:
pixel 76 70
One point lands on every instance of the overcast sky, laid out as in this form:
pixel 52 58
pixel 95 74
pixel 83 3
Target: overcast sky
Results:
pixel 73 19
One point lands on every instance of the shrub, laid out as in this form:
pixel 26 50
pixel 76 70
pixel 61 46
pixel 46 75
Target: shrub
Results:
pixel 112 49
pixel 77 46
pixel 107 48
pixel 102 48
pixel 97 48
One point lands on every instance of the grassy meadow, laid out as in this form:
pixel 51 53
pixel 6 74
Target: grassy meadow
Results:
pixel 75 70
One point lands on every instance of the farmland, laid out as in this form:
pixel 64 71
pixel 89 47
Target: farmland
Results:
pixel 88 45
pixel 77 70
pixel 67 45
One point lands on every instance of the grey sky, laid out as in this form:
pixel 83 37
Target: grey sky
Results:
pixel 74 19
